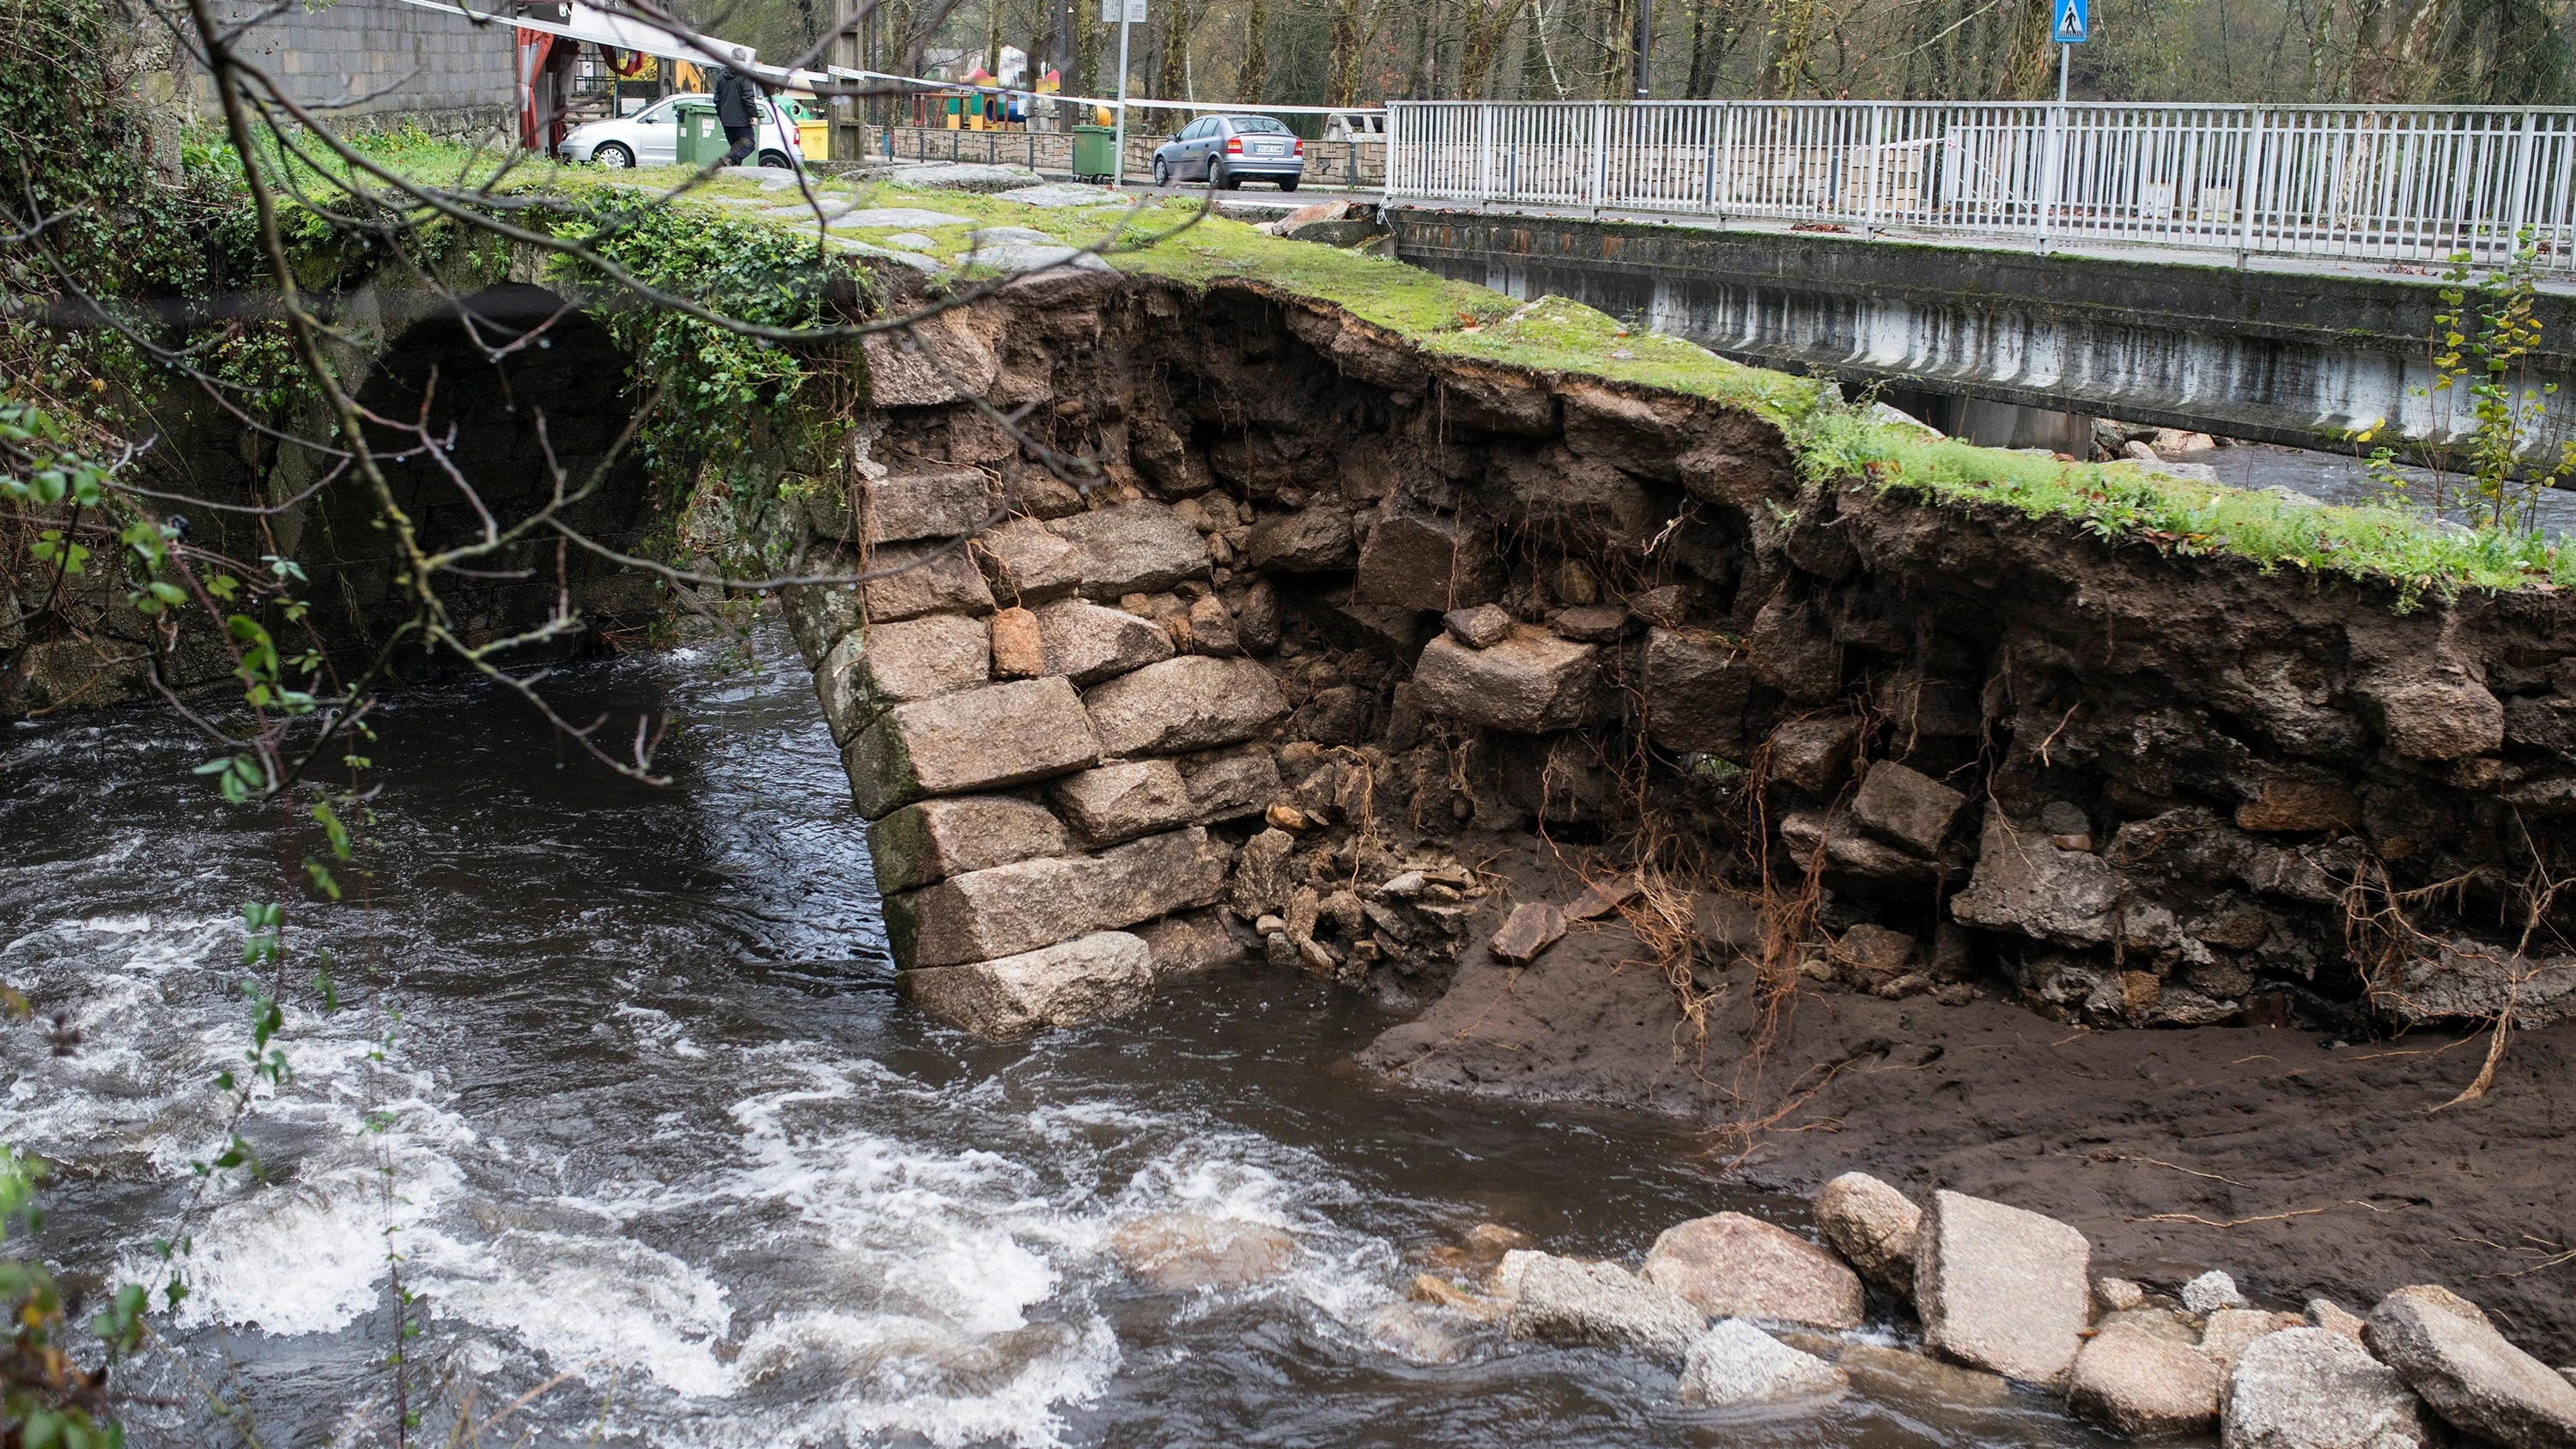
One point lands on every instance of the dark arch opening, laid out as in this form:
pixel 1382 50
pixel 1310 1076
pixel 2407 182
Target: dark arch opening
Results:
pixel 568 389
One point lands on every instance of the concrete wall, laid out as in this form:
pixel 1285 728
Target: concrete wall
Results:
pixel 406 63
pixel 2294 358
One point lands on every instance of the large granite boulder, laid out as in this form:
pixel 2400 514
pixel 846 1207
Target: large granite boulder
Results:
pixel 2002 1289
pixel 1736 1365
pixel 2313 1388
pixel 1132 548
pixel 1194 702
pixel 1013 908
pixel 873 669
pixel 2024 882
pixel 2452 1356
pixel 1873 1226
pixel 1087 643
pixel 1308 541
pixel 977 739
pixel 1732 1266
pixel 1090 977
pixel 1560 1300
pixel 2145 1386
pixel 1122 801
pixel 1530 682
pixel 931 840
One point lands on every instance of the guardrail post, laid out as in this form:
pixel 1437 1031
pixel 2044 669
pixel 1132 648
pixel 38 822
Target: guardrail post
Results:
pixel 1877 149
pixel 2054 169
pixel 2515 208
pixel 1597 182
pixel 2249 187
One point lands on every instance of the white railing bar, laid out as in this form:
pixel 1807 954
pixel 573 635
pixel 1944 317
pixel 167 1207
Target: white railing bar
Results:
pixel 2395 183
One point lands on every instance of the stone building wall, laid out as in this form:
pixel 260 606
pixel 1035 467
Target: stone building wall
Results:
pixel 380 62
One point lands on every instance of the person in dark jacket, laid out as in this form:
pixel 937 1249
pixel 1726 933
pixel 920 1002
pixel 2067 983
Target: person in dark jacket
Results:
pixel 738 111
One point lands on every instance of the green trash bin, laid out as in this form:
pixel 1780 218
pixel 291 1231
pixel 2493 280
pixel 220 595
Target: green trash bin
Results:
pixel 1095 153
pixel 702 139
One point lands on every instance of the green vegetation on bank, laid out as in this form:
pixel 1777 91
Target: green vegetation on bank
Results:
pixel 2118 501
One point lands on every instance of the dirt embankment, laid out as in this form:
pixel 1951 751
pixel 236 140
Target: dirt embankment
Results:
pixel 2303 1162
pixel 1985 789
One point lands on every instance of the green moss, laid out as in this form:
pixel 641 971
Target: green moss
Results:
pixel 2124 502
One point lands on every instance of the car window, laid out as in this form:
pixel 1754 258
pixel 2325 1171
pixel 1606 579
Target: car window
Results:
pixel 1255 126
pixel 655 115
pixel 1194 130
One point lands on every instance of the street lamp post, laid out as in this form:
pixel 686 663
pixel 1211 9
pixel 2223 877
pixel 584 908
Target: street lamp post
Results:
pixel 1127 12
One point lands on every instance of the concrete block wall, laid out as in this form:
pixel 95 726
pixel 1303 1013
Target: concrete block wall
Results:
pixel 379 62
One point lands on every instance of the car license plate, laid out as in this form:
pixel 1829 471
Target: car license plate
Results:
pixel 1271 148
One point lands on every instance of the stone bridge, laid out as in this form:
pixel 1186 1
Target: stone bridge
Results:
pixel 2297 353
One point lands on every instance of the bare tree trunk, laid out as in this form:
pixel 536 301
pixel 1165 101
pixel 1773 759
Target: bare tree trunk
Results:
pixel 1489 22
pixel 1797 27
pixel 2029 67
pixel 1087 38
pixel 1342 71
pixel 1254 75
pixel 1174 77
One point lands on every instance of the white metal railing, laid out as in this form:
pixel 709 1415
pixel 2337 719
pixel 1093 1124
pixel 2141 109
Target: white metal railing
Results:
pixel 2381 183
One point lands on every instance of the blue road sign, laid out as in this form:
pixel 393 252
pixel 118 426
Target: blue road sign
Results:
pixel 2072 18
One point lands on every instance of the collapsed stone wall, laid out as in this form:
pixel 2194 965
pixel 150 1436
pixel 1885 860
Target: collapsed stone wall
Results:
pixel 1338 604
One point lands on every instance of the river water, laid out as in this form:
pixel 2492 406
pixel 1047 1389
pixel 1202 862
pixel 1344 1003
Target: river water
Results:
pixel 620 1079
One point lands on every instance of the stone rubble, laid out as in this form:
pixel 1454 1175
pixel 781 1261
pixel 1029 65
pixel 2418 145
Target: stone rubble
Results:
pixel 2450 1353
pixel 1733 1266
pixel 2001 1288
pixel 1602 1305
pixel 2312 1388
pixel 1735 1365
pixel 1873 1226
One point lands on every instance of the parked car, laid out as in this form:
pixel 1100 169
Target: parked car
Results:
pixel 651 137
pixel 1227 151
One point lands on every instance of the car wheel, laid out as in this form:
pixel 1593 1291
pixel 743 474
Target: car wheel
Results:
pixel 1288 184
pixel 777 159
pixel 1218 180
pixel 612 154
pixel 1162 172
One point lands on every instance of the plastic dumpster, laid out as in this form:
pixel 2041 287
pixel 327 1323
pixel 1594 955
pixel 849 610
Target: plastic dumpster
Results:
pixel 1095 153
pixel 702 140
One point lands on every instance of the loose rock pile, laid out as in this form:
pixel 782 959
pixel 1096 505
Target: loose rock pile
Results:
pixel 2004 1295
pixel 1351 602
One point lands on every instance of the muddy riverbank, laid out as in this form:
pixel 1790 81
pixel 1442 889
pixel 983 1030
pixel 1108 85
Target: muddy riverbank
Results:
pixel 2303 1162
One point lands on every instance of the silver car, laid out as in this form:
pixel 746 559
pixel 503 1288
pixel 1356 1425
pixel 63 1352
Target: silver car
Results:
pixel 1227 151
pixel 651 137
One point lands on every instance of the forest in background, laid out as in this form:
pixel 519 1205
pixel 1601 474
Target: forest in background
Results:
pixel 1336 52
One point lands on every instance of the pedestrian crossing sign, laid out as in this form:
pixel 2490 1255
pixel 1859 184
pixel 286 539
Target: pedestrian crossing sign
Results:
pixel 2072 16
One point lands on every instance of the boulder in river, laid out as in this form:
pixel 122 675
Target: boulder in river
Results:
pixel 2142 1385
pixel 1560 1300
pixel 1107 973
pixel 1736 1365
pixel 2450 1354
pixel 2002 1289
pixel 1903 1374
pixel 1873 1226
pixel 1183 1252
pixel 1732 1266
pixel 2313 1388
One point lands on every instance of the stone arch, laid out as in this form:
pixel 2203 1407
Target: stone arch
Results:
pixel 568 387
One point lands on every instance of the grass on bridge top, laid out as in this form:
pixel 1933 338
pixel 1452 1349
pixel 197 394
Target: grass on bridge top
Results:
pixel 2120 502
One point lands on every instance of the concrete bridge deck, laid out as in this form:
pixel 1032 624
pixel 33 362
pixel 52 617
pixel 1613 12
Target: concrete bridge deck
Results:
pixel 2299 351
